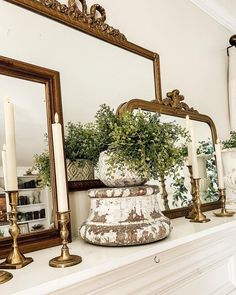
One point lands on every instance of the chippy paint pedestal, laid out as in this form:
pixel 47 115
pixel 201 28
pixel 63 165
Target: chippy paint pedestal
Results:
pixel 125 216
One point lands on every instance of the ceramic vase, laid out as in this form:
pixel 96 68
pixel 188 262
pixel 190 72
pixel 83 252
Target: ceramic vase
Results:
pixel 80 170
pixel 116 178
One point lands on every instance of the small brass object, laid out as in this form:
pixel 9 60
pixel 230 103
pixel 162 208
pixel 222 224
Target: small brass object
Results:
pixel 223 212
pixel 15 258
pixel 66 259
pixel 191 214
pixel 5 276
pixel 199 217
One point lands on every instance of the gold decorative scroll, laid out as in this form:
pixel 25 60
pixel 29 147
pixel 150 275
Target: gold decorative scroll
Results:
pixel 82 15
pixel 175 100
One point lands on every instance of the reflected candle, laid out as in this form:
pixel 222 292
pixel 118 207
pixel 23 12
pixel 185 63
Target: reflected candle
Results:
pixel 11 174
pixel 59 166
pixel 219 165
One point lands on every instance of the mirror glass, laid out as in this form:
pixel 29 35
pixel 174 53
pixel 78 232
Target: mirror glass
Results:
pixel 92 72
pixel 178 186
pixel 34 203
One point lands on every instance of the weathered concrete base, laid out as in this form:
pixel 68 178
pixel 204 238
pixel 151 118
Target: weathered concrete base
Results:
pixel 125 216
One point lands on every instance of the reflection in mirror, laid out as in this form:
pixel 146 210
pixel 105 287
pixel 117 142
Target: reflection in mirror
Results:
pixel 94 72
pixel 178 186
pixel 34 202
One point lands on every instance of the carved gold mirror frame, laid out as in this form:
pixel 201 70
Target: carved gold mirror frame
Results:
pixel 86 20
pixel 173 105
pixel 51 80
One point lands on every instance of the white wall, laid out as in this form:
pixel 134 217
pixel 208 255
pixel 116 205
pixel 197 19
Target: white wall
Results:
pixel 192 47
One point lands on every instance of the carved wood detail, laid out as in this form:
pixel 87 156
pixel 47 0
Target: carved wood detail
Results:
pixel 175 100
pixel 82 15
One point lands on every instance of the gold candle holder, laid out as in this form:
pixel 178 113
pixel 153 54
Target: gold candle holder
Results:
pixel 5 276
pixel 199 217
pixel 65 259
pixel 15 259
pixel 192 213
pixel 223 212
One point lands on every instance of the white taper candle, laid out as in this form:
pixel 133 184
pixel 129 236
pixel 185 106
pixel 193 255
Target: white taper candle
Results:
pixel 11 174
pixel 4 167
pixel 219 165
pixel 59 166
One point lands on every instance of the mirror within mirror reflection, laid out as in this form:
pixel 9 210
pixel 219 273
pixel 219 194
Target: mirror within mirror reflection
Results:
pixel 34 202
pixel 178 186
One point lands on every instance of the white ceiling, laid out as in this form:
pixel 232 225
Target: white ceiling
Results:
pixel 223 11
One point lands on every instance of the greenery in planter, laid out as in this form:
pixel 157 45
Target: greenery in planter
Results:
pixel 231 142
pixel 145 145
pixel 81 142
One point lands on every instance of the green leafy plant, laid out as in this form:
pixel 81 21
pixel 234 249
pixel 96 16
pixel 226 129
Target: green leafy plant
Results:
pixel 206 147
pixel 231 142
pixel 105 120
pixel 42 166
pixel 145 145
pixel 82 142
pixel 181 193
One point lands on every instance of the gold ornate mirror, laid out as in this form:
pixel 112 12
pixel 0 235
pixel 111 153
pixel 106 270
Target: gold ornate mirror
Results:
pixel 35 92
pixel 178 198
pixel 92 72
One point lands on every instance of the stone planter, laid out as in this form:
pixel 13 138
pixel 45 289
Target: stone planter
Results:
pixel 124 217
pixel 118 178
pixel 229 160
pixel 80 170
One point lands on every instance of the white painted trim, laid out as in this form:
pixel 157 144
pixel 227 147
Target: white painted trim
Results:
pixel 218 13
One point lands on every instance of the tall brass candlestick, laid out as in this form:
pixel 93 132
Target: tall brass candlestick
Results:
pixel 15 259
pixel 199 217
pixel 66 259
pixel 223 212
pixel 192 213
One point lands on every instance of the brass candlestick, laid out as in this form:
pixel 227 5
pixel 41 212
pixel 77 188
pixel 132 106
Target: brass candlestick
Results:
pixel 65 259
pixel 15 259
pixel 192 213
pixel 223 212
pixel 5 276
pixel 199 217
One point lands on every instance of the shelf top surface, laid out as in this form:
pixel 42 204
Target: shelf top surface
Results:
pixel 98 260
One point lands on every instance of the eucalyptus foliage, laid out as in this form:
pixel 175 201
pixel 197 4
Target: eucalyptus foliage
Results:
pixel 231 142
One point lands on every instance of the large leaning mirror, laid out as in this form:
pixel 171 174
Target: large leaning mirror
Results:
pixel 92 72
pixel 35 93
pixel 175 198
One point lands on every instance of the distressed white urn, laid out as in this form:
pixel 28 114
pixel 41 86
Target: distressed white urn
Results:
pixel 125 216
pixel 116 177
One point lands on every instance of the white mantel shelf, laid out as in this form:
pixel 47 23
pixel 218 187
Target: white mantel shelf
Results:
pixel 39 278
